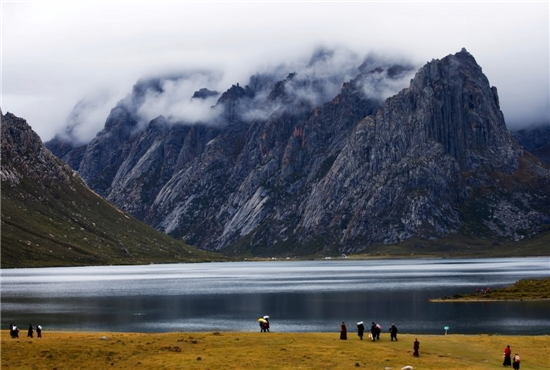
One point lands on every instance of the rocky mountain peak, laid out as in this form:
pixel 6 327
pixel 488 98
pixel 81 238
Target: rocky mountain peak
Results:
pixel 24 155
pixel 463 113
pixel 317 172
pixel 204 93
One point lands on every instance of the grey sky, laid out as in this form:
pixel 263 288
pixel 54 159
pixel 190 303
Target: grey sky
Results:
pixel 56 53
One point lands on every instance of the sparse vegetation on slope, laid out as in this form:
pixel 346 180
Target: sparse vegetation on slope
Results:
pixel 62 227
pixel 51 218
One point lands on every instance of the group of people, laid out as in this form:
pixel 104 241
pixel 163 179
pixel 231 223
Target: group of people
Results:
pixel 14 331
pixel 508 358
pixel 482 290
pixel 264 324
pixel 375 331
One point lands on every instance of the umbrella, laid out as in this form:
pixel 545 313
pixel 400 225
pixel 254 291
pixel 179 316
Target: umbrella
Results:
pixel 261 319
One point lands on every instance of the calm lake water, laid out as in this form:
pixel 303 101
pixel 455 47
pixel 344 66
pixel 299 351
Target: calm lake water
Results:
pixel 305 296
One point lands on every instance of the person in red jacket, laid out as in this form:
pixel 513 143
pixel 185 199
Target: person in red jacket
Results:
pixel 507 359
pixel 343 331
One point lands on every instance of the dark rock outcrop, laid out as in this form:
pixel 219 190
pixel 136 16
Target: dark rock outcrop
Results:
pixel 535 139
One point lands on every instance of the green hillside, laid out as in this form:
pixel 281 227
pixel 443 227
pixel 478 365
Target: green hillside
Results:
pixel 62 227
pixel 51 218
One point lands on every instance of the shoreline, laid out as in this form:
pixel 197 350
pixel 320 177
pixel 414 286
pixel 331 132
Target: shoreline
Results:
pixel 4 334
pixel 455 300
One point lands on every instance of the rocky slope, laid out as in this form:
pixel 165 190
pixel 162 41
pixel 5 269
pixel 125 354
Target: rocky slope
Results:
pixel 535 139
pixel 51 218
pixel 281 172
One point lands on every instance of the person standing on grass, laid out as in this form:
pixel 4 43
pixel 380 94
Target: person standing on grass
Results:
pixel 507 356
pixel 343 331
pixel 393 332
pixel 416 347
pixel 15 331
pixel 373 331
pixel 378 330
pixel 516 362
pixel 360 329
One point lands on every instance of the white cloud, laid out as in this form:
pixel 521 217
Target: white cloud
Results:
pixel 56 52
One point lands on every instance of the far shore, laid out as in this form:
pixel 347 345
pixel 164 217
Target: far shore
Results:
pixel 525 290
pixel 469 300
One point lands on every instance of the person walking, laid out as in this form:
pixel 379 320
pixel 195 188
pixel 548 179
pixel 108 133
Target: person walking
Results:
pixel 15 331
pixel 393 332
pixel 516 362
pixel 39 331
pixel 30 331
pixel 343 331
pixel 261 321
pixel 378 331
pixel 373 331
pixel 360 329
pixel 416 347
pixel 507 356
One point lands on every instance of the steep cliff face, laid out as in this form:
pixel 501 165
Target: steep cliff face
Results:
pixel 288 170
pixel 407 169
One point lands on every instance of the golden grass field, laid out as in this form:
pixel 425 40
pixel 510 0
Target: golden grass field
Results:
pixel 246 350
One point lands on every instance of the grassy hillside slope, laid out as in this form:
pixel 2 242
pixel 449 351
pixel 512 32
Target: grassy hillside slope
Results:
pixel 62 227
pixel 51 218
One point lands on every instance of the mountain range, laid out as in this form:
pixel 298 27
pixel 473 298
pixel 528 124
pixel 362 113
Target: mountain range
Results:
pixel 305 162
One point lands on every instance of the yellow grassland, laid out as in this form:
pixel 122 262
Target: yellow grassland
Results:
pixel 246 350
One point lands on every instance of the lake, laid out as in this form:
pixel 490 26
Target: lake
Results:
pixel 299 296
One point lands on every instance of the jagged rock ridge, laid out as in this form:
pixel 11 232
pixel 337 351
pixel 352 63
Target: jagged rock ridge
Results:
pixel 303 174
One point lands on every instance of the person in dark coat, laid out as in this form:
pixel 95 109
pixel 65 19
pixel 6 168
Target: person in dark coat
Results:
pixel 373 331
pixel 378 330
pixel 360 329
pixel 39 331
pixel 30 331
pixel 15 331
pixel 516 362
pixel 416 347
pixel 393 332
pixel 507 356
pixel 343 331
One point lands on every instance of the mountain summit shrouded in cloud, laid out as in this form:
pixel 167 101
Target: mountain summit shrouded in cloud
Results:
pixel 56 53
pixel 173 96
pixel 304 161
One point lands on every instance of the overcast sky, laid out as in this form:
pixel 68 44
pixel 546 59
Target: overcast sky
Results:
pixel 55 53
